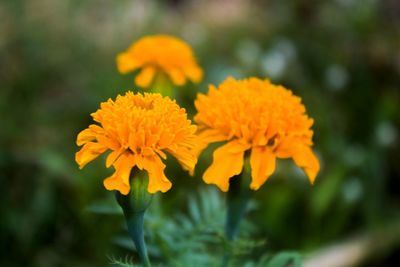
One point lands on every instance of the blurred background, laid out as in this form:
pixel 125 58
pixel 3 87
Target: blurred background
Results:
pixel 57 63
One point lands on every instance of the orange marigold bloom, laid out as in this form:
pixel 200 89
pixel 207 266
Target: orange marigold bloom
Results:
pixel 138 130
pixel 256 115
pixel 160 54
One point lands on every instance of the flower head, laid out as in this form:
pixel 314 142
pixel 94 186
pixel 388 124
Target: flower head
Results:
pixel 254 115
pixel 138 130
pixel 160 54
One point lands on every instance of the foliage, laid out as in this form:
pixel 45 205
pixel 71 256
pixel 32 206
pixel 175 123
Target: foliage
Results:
pixel 195 238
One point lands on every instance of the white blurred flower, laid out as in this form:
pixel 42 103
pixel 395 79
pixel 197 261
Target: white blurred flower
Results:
pixel 336 77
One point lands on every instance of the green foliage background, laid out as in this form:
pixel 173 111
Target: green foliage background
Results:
pixel 57 63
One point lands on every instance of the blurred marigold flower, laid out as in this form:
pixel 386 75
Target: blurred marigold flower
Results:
pixel 138 130
pixel 160 54
pixel 256 115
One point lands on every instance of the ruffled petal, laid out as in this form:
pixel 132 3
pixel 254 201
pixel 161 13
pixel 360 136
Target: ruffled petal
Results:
pixel 85 136
pixel 110 143
pixel 286 147
pixel 119 180
pixel 145 77
pixel 157 179
pixel 194 73
pixel 89 152
pixel 227 162
pixel 125 63
pixel 263 162
pixel 113 156
pixel 114 183
pixel 185 157
pixel 176 76
pixel 305 158
pixel 205 137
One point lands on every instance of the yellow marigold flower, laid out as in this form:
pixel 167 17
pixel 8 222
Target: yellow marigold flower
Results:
pixel 254 115
pixel 160 54
pixel 138 130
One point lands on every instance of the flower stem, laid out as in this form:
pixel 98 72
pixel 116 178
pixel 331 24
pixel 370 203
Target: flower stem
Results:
pixel 238 198
pixel 162 85
pixel 134 206
pixel 135 228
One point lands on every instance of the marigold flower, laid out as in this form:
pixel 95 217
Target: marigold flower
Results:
pixel 256 115
pixel 160 54
pixel 138 130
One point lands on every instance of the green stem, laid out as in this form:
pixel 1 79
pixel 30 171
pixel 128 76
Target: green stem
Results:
pixel 134 206
pixel 238 198
pixel 163 85
pixel 135 227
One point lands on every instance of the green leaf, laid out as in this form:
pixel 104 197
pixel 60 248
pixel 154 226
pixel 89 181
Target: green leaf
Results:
pixel 127 262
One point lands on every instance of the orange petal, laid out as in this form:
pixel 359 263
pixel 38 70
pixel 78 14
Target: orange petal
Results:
pixel 110 143
pixel 157 179
pixel 286 147
pixel 195 74
pixel 145 77
pixel 176 76
pixel 306 159
pixel 227 162
pixel 185 157
pixel 89 152
pixel 205 137
pixel 113 156
pixel 262 161
pixel 139 161
pixel 125 63
pixel 85 136
pixel 166 139
pixel 114 183
pixel 119 180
